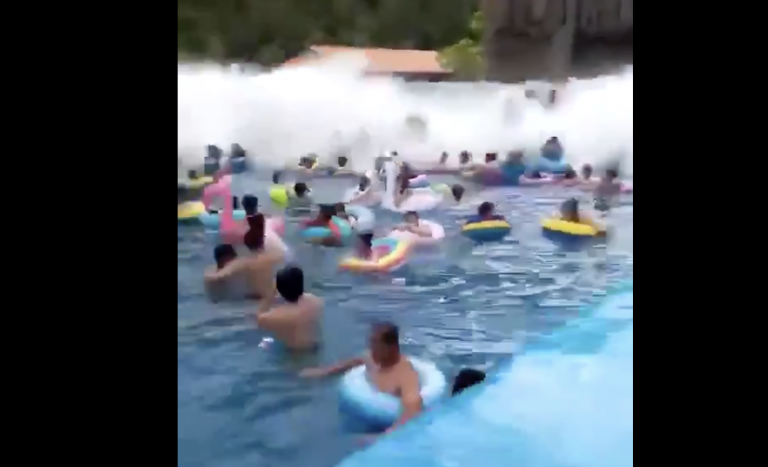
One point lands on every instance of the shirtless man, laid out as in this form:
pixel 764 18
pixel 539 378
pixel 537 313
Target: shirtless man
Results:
pixel 388 370
pixel 412 225
pixel 294 323
pixel 223 254
pixel 364 192
pixel 255 268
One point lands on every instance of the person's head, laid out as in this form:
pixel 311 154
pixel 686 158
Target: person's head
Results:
pixel 254 237
pixel 223 254
pixel 365 182
pixel 276 177
pixel 552 96
pixel 569 210
pixel 236 151
pixel 569 173
pixel 306 162
pixel 341 209
pixel 514 157
pixel 342 161
pixel 301 189
pixel 411 217
pixel 192 174
pixel 457 191
pixel 611 174
pixel 490 157
pixel 443 157
pixel 384 343
pixel 366 239
pixel 586 171
pixel 467 378
pixel 534 174
pixel 486 209
pixel 235 202
pixel 250 205
pixel 290 283
pixel 214 152
pixel 465 157
pixel 326 212
pixel 553 143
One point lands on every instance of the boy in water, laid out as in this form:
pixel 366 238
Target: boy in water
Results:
pixel 570 212
pixel 552 149
pixel 301 198
pixel 222 254
pixel 486 212
pixel 364 192
pixel 365 247
pixel 412 225
pixel 457 191
pixel 256 268
pixel 342 165
pixel 466 378
pixel 295 323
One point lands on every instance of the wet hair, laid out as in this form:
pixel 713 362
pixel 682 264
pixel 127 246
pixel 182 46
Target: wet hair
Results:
pixel 236 151
pixel 276 177
pixel 465 156
pixel 366 238
pixel 342 161
pixel 444 156
pixel 457 191
pixel 490 156
pixel 388 333
pixel 485 208
pixel 534 174
pixel 340 207
pixel 254 237
pixel 250 205
pixel 411 214
pixel 570 206
pixel 570 173
pixel 467 378
pixel 587 168
pixel 300 189
pixel 613 173
pixel 192 174
pixel 235 202
pixel 290 283
pixel 365 182
pixel 223 254
pixel 214 152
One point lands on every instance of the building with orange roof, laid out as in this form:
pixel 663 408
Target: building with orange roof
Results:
pixel 412 65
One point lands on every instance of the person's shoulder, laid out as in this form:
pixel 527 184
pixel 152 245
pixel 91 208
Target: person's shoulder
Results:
pixel 312 300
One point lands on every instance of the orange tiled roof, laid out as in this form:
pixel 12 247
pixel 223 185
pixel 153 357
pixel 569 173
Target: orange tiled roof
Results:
pixel 379 60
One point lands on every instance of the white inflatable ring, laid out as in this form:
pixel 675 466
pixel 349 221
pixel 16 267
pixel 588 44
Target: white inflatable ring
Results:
pixel 365 220
pixel 380 410
pixel 438 233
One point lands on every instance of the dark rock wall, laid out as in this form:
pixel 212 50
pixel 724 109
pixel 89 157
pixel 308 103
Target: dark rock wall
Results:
pixel 551 39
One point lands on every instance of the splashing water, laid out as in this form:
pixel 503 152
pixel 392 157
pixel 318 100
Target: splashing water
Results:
pixel 282 115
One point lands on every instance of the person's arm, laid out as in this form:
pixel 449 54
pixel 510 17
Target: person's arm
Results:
pixel 333 370
pixel 410 399
pixel 211 287
pixel 232 268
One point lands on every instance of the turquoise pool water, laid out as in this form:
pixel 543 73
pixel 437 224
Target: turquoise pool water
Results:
pixel 240 402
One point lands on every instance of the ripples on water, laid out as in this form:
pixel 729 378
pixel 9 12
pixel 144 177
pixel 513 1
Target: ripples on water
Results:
pixel 240 402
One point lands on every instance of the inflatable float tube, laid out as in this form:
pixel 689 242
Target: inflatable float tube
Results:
pixel 338 228
pixel 364 218
pixel 280 195
pixel 421 199
pixel 195 183
pixel 578 413
pixel 419 181
pixel 212 220
pixel 481 231
pixel 380 410
pixel 393 254
pixel 189 212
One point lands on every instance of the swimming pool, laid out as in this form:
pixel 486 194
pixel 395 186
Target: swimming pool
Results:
pixel 240 402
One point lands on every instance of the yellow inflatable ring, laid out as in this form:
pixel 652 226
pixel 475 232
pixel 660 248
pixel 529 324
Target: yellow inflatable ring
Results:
pixel 281 195
pixel 569 228
pixel 199 182
pixel 190 211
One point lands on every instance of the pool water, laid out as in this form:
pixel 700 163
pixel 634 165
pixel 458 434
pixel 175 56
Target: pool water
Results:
pixel 240 402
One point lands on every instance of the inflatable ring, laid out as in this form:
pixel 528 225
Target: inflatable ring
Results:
pixel 338 228
pixel 486 231
pixel 364 218
pixel 441 188
pixel 571 229
pixel 392 255
pixel 420 181
pixel 212 221
pixel 189 212
pixel 380 410
pixel 280 195
pixel 198 182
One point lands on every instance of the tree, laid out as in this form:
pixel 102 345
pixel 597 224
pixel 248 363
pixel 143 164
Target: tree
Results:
pixel 465 57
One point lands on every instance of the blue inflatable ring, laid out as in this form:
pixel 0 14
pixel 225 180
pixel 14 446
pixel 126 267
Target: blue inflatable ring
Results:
pixel 364 218
pixel 343 228
pixel 486 230
pixel 211 219
pixel 379 410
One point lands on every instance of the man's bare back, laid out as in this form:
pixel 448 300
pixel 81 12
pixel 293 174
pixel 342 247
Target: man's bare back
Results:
pixel 294 324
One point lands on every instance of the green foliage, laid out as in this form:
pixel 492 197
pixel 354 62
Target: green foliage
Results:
pixel 465 57
pixel 271 31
